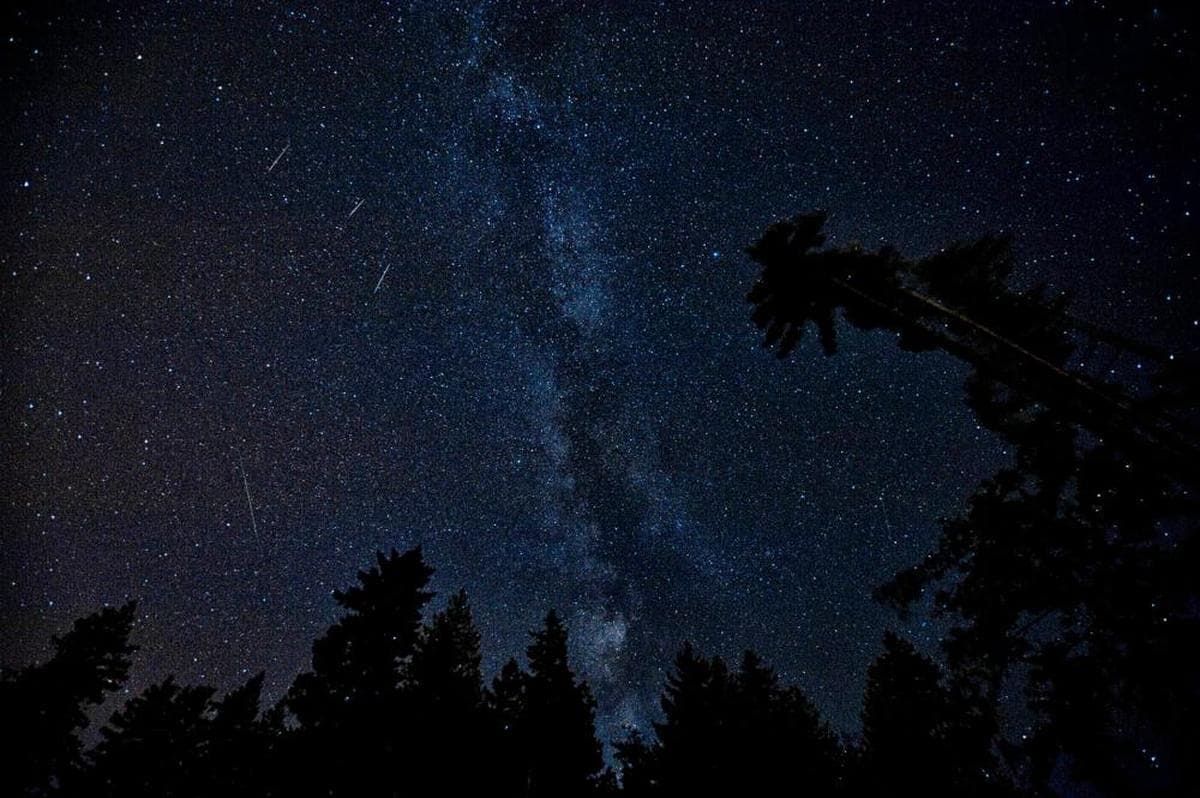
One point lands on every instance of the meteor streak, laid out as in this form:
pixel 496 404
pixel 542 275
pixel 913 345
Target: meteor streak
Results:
pixel 385 271
pixel 249 501
pixel 287 147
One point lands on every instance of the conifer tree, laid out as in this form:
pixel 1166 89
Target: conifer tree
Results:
pixel 506 702
pixel 920 736
pixel 353 722
pixel 155 745
pixel 695 706
pixel 779 735
pixel 444 693
pixel 45 706
pixel 739 733
pixel 240 755
pixel 557 727
pixel 359 660
pixel 639 766
pixel 446 663
pixel 1073 569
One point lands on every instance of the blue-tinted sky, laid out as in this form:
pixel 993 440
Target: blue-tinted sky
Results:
pixel 471 276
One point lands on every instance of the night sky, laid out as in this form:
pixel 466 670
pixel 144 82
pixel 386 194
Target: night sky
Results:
pixel 284 285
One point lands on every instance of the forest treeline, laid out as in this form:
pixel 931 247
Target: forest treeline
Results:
pixel 396 705
pixel 1068 584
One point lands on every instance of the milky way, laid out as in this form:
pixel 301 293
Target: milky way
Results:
pixel 285 286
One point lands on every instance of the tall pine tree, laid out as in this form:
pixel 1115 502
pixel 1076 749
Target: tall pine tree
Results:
pixel 354 727
pixel 506 702
pixel 444 688
pixel 557 728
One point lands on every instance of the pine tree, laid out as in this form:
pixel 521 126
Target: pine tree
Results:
pixel 695 706
pixel 45 706
pixel 351 708
pixel 444 688
pixel 557 728
pixel 507 696
pixel 640 776
pixel 919 737
pixel 156 745
pixel 240 756
pixel 446 663
pixel 737 733
pixel 778 735
pixel 359 659
pixel 507 709
pixel 1074 568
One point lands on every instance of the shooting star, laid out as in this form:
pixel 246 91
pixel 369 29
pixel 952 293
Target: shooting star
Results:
pixel 282 152
pixel 385 271
pixel 249 501
pixel 356 207
pixel 887 521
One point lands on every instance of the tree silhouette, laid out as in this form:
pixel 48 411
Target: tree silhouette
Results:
pixel 155 744
pixel 556 727
pixel 506 701
pixel 695 706
pixel 1073 569
pixel 639 768
pixel 45 706
pixel 176 740
pixel 1018 342
pixel 445 664
pixel 781 734
pixel 351 708
pixel 921 737
pixel 394 707
pixel 445 691
pixel 241 746
pixel 728 733
pixel 359 660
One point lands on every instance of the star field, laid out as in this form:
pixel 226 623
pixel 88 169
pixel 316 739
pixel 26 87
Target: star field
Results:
pixel 285 285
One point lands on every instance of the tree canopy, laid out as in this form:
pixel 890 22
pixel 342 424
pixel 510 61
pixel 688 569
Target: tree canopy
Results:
pixel 1073 570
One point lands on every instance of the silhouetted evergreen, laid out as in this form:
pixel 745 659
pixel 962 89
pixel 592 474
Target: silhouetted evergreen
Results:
pixel 394 707
pixel 359 660
pixel 175 740
pixel 243 743
pixel 506 699
pixel 355 722
pixel 639 776
pixel 155 745
pixel 728 733
pixel 546 719
pixel 1073 570
pixel 920 736
pixel 44 707
pixel 1019 343
pixel 444 694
